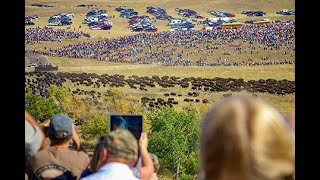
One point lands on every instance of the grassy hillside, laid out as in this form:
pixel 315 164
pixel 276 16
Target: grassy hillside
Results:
pixel 245 72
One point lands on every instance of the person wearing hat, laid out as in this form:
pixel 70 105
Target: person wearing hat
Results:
pixel 57 160
pixel 118 154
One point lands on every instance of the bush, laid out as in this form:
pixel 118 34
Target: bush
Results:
pixel 60 101
pixel 69 104
pixel 96 126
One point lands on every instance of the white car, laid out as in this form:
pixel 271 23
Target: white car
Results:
pixel 56 23
pixel 70 15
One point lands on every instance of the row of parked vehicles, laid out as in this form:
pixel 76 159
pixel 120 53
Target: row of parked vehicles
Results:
pixel 128 13
pixel 252 21
pixel 181 24
pixel 286 12
pixel 61 19
pixel 98 20
pixel 221 13
pixel 189 13
pixel 159 13
pixel 214 22
pixel 253 13
pixel 137 23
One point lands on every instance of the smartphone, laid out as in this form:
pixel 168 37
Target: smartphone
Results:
pixel 131 122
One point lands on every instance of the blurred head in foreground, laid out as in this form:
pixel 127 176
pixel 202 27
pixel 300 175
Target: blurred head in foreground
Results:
pixel 34 136
pixel 246 138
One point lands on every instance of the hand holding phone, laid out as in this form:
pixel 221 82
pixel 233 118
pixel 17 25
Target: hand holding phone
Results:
pixel 143 141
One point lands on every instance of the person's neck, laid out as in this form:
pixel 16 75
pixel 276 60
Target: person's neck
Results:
pixel 118 160
pixel 60 146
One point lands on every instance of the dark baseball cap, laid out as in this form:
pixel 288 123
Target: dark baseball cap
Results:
pixel 60 126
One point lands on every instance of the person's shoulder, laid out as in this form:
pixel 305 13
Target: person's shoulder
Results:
pixel 96 176
pixel 80 155
pixel 41 154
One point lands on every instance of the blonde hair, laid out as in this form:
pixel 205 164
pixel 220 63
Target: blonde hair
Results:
pixel 246 138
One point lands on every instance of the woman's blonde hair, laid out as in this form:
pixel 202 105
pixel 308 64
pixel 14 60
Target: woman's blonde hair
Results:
pixel 247 139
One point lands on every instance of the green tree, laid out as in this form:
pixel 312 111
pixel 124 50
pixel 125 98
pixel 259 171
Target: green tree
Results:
pixel 39 107
pixel 175 138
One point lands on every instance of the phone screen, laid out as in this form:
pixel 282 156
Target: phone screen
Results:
pixel 133 123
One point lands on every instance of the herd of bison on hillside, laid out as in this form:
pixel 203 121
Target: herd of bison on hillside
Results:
pixel 38 83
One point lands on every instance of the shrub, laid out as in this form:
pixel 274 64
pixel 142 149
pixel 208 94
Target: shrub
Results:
pixel 174 138
pixel 41 108
pixel 96 126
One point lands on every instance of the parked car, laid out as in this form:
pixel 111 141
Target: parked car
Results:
pixel 246 12
pixel 277 21
pixel 28 21
pixel 249 21
pixel 256 13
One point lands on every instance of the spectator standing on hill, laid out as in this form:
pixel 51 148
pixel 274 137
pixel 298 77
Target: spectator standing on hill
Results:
pixel 34 136
pixel 57 160
pixel 156 166
pixel 118 154
pixel 246 138
pixel 93 166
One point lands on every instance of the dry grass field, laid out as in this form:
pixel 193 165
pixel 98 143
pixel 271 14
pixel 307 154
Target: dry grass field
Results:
pixel 246 72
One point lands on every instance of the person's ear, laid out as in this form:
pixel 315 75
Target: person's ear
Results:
pixel 134 161
pixel 136 158
pixel 103 154
pixel 103 157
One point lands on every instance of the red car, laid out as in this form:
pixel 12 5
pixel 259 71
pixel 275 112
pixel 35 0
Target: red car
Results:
pixel 133 20
pixel 152 30
pixel 231 15
pixel 199 16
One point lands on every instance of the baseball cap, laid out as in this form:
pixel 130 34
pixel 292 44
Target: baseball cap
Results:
pixel 121 143
pixel 33 139
pixel 60 126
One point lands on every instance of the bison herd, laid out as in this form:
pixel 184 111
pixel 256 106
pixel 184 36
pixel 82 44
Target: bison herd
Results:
pixel 38 83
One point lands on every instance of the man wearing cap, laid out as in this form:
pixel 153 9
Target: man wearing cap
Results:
pixel 58 160
pixel 118 156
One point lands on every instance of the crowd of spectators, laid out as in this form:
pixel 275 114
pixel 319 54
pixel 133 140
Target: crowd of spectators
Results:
pixel 36 35
pixel 242 137
pixel 176 48
pixel 48 153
